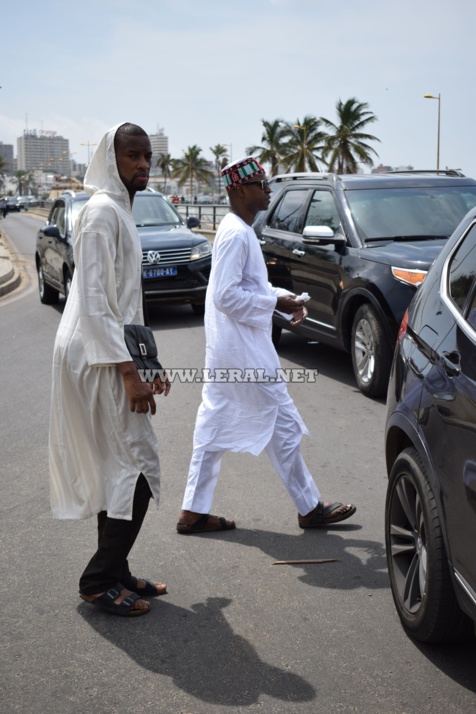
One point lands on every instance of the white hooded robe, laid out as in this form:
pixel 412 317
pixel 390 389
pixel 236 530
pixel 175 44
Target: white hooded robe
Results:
pixel 98 447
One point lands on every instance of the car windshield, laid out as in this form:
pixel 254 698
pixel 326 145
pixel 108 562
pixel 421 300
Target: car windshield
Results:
pixel 153 210
pixel 411 212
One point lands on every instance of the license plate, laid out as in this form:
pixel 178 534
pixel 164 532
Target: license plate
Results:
pixel 159 272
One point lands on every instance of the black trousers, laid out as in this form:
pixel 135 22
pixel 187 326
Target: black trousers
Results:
pixel 116 537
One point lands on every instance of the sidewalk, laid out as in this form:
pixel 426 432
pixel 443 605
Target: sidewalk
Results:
pixel 10 276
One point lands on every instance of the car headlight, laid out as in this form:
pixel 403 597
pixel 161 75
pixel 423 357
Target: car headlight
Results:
pixel 201 250
pixel 409 276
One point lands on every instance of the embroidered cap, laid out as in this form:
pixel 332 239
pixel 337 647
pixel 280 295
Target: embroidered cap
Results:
pixel 240 171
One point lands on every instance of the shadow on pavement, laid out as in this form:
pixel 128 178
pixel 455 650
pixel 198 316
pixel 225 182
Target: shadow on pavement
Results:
pixel 366 569
pixel 200 652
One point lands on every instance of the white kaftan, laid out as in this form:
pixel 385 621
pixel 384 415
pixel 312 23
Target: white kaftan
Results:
pixel 237 416
pixel 98 447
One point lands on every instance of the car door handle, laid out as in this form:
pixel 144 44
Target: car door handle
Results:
pixel 451 363
pixel 296 251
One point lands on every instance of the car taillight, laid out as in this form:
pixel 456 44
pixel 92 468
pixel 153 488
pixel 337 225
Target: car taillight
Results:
pixel 403 327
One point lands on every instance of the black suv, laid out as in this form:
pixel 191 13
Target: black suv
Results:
pixel 430 444
pixel 360 245
pixel 176 262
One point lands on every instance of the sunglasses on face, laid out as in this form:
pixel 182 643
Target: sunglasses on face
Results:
pixel 263 183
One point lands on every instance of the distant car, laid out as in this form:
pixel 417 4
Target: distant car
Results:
pixel 25 201
pixel 176 262
pixel 359 245
pixel 12 205
pixel 430 444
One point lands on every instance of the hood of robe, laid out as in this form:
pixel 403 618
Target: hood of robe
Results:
pixel 102 174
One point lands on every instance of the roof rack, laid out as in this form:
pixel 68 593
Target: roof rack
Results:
pixel 443 172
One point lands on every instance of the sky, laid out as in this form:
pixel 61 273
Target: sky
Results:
pixel 209 71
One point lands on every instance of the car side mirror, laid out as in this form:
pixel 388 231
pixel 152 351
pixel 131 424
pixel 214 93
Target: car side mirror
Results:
pixel 193 222
pixel 322 235
pixel 52 231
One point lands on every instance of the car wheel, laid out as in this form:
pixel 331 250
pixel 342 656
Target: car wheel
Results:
pixel 68 278
pixel 371 354
pixel 198 308
pixel 418 566
pixel 276 334
pixel 48 295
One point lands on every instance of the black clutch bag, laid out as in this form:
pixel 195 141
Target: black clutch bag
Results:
pixel 141 344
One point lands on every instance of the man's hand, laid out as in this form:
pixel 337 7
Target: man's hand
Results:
pixel 161 385
pixel 139 393
pixel 290 306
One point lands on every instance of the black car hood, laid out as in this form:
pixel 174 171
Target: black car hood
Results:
pixel 153 237
pixel 407 254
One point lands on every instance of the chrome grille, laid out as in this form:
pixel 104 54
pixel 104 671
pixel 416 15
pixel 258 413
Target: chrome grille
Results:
pixel 168 256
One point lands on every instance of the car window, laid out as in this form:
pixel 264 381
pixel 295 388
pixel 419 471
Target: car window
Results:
pixel 323 211
pixel 288 213
pixel 58 218
pixel 407 212
pixel 150 210
pixel 462 271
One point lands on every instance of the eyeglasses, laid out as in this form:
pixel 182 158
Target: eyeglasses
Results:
pixel 263 183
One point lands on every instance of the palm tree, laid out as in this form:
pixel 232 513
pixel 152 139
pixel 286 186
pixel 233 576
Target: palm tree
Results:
pixel 346 146
pixel 221 156
pixel 271 149
pixel 304 145
pixel 165 163
pixel 192 167
pixel 3 163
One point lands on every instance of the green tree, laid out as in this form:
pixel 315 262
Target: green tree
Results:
pixel 192 167
pixel 347 146
pixel 304 142
pixel 271 149
pixel 165 164
pixel 221 156
pixel 3 163
pixel 23 180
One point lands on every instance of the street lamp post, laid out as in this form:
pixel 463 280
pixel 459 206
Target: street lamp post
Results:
pixel 89 153
pixel 431 96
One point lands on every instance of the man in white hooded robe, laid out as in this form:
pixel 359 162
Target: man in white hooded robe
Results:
pixel 103 450
pixel 238 415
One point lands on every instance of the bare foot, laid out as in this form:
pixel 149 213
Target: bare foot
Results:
pixel 325 514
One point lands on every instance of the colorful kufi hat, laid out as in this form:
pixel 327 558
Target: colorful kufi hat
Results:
pixel 241 171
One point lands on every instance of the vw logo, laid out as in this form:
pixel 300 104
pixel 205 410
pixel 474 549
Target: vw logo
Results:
pixel 153 256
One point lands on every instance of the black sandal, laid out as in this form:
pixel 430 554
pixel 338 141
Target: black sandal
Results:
pixel 106 602
pixel 321 517
pixel 150 589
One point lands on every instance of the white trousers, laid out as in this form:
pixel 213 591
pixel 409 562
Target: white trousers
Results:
pixel 284 451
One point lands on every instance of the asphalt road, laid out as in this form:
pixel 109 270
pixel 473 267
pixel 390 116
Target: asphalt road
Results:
pixel 235 633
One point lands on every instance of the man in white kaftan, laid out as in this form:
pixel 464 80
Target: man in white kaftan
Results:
pixel 237 415
pixel 103 451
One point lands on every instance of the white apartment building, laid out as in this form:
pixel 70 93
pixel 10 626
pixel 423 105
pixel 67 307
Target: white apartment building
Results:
pixel 43 151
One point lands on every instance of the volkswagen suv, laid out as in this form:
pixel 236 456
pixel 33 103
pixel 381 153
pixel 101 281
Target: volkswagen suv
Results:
pixel 176 262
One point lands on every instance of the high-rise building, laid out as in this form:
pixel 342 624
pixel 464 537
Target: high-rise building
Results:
pixel 6 152
pixel 44 151
pixel 160 146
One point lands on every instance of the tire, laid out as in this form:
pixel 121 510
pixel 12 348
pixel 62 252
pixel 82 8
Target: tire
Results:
pixel 48 295
pixel 276 334
pixel 198 308
pixel 67 283
pixel 371 353
pixel 418 566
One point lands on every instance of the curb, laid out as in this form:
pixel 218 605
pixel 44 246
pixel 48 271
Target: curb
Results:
pixel 10 277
